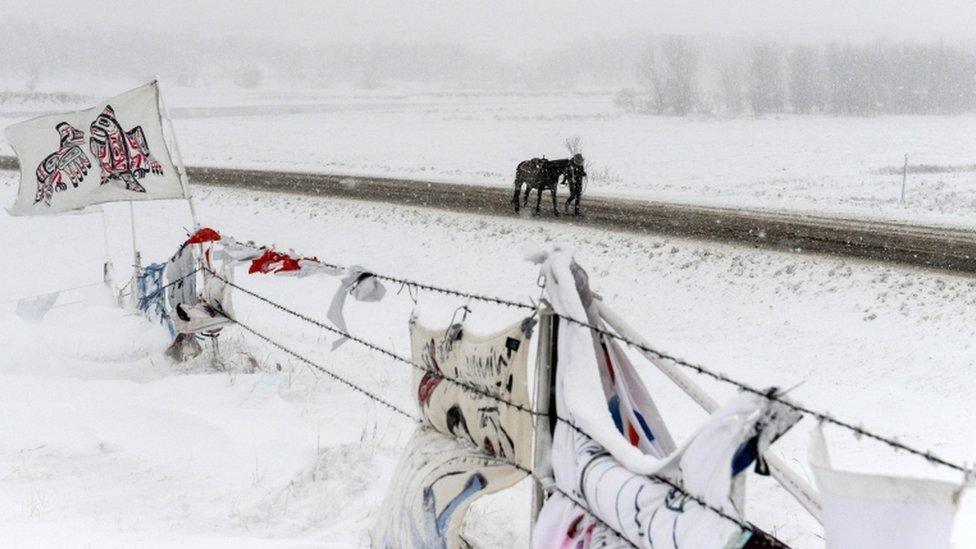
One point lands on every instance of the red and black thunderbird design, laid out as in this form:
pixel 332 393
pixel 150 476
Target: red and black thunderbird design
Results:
pixel 122 155
pixel 68 163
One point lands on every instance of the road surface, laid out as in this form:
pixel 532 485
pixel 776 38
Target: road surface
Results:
pixel 934 247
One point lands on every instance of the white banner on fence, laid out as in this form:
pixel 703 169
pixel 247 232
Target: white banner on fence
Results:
pixel 437 479
pixel 651 513
pixel 865 510
pixel 454 458
pixel 111 152
pixel 497 365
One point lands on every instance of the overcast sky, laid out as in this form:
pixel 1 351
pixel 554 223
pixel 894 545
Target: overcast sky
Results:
pixel 509 27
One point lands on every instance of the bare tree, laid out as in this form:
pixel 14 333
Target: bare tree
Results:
pixel 731 89
pixel 650 77
pixel 765 79
pixel 681 58
pixel 806 88
pixel 574 145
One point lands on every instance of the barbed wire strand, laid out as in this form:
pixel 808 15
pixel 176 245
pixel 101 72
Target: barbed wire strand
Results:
pixel 858 430
pixel 60 291
pixel 745 525
pixel 409 416
pixel 824 417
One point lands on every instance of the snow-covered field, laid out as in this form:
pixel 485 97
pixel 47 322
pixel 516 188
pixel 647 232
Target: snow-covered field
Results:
pixel 105 443
pixel 813 163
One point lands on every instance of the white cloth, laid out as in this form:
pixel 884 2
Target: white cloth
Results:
pixel 578 379
pixel 454 458
pixel 232 251
pixel 496 364
pixel 609 472
pixel 194 309
pixel 359 283
pixel 866 510
pixel 113 151
pixel 648 512
pixel 437 479
pixel 33 309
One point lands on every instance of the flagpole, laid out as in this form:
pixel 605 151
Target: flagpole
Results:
pixel 177 155
pixel 136 259
pixel 107 267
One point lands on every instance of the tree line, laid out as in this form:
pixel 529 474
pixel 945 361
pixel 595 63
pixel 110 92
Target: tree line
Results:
pixel 763 78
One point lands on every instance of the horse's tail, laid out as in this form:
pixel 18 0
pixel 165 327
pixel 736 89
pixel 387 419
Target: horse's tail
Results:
pixel 518 185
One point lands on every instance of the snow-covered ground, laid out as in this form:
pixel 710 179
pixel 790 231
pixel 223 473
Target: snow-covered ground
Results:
pixel 844 165
pixel 105 443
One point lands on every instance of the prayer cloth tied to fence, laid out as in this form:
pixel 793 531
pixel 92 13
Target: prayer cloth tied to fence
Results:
pixel 113 151
pixel 866 510
pixel 194 309
pixel 620 443
pixel 453 458
pixel 152 295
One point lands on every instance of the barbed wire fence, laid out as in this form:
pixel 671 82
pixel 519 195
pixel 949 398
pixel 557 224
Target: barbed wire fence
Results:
pixel 675 486
pixel 825 417
pixel 746 526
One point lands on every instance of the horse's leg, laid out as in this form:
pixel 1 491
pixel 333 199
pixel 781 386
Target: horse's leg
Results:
pixel 525 199
pixel 576 210
pixel 515 197
pixel 538 200
pixel 555 208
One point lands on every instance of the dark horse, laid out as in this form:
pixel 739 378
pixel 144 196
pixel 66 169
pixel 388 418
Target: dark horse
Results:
pixel 541 174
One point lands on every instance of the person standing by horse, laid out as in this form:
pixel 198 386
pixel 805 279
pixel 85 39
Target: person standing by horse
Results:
pixel 542 174
pixel 539 174
pixel 576 182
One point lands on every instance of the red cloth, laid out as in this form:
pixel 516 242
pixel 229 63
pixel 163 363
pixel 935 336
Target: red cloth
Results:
pixel 206 234
pixel 277 262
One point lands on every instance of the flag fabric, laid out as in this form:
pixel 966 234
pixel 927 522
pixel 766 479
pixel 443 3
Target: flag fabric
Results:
pixel 618 440
pixel 198 309
pixel 469 441
pixel 363 286
pixel 289 264
pixel 649 512
pixel 152 296
pixel 868 510
pixel 111 152
pixel 437 478
pixel 232 251
pixel 497 365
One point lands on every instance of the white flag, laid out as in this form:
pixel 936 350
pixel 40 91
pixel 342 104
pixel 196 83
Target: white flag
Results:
pixel 113 151
pixel 865 510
